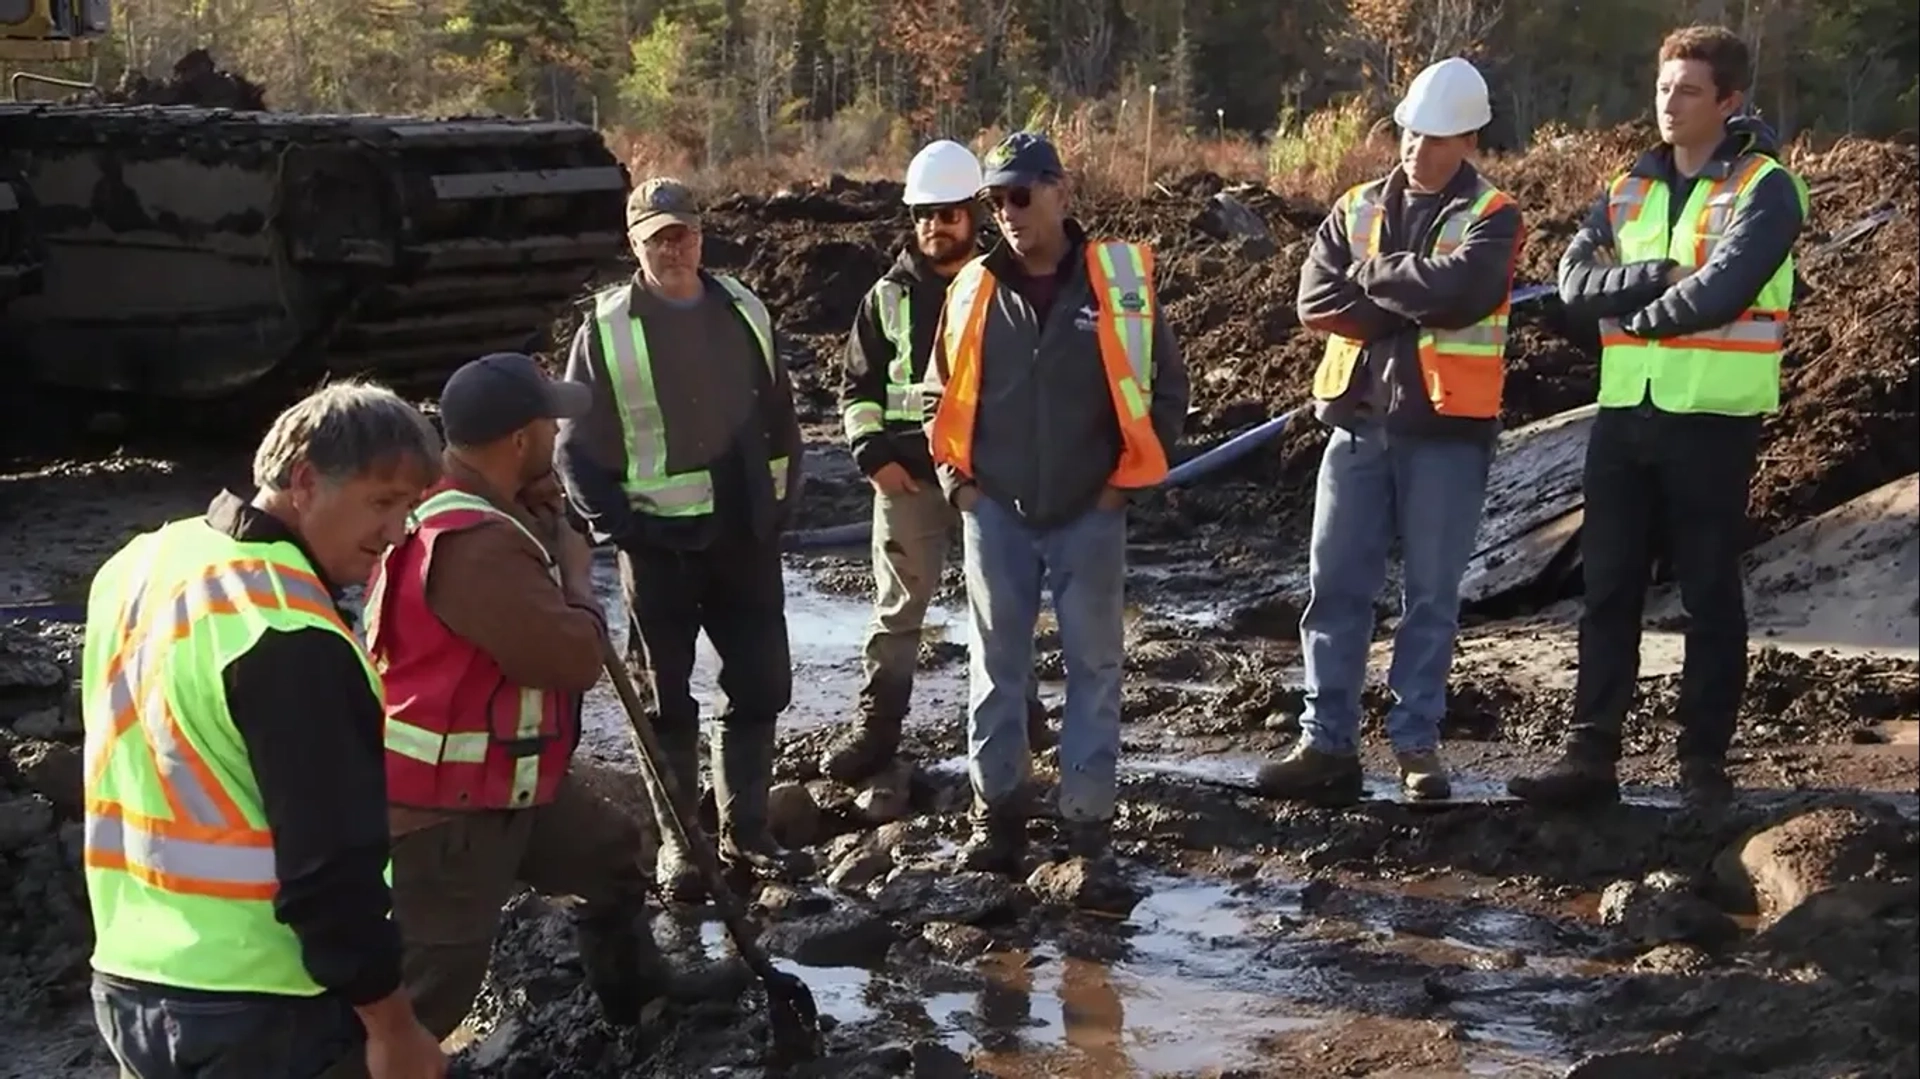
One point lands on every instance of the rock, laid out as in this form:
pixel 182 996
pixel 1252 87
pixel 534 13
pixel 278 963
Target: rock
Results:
pixel 859 869
pixel 783 901
pixel 792 816
pixel 1078 883
pixel 1673 959
pixel 23 821
pixel 1227 218
pixel 919 896
pixel 1776 869
pixel 1663 909
pixel 901 835
pixel 887 797
pixel 957 943
pixel 1858 927
pixel 53 770
pixel 931 1060
pixel 840 939
pixel 833 799
pixel 47 723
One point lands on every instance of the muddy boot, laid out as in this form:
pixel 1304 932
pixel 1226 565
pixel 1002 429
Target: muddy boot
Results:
pixel 1090 839
pixel 742 776
pixel 1311 775
pixel 1583 776
pixel 1040 737
pixel 998 843
pixel 1423 777
pixel 1704 784
pixel 864 751
pixel 674 872
pixel 626 970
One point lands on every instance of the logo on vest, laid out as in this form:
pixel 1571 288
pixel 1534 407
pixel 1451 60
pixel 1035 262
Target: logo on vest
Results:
pixel 1084 319
pixel 1132 303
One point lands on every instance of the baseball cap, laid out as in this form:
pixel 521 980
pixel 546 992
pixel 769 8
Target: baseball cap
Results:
pixel 499 393
pixel 1022 159
pixel 658 203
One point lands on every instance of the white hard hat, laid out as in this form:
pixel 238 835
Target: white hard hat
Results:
pixel 942 172
pixel 1448 98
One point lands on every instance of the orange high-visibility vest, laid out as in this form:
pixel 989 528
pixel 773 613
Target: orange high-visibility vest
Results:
pixel 1122 278
pixel 1464 370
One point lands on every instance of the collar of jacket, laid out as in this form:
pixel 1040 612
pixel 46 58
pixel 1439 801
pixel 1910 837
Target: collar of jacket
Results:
pixel 1745 135
pixel 1460 187
pixel 462 476
pixel 1003 265
pixel 248 523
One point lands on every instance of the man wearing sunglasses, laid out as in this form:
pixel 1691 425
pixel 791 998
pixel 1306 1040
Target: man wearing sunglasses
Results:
pixel 1059 389
pixel 880 400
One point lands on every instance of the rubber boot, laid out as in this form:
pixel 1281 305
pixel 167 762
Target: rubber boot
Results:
pixel 864 751
pixel 742 776
pixel 625 968
pixel 674 871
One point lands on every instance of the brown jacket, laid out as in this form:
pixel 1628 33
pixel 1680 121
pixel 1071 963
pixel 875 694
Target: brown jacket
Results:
pixel 489 584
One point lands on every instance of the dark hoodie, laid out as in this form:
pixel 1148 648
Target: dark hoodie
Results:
pixel 868 352
pixel 1595 285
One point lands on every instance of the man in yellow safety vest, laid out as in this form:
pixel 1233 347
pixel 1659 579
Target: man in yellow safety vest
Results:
pixel 236 808
pixel 1686 261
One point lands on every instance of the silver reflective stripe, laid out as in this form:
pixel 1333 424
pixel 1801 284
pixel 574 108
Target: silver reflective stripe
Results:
pixel 1129 305
pixel 960 297
pixel 219 862
pixel 1365 220
pixel 862 418
pixel 904 399
pixel 526 770
pixel 449 500
pixel 630 372
pixel 1741 331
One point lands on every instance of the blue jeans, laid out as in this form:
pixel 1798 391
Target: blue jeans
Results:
pixel 160 1032
pixel 1084 565
pixel 1374 487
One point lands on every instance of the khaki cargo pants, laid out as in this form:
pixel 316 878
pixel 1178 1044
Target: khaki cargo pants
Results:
pixel 451 878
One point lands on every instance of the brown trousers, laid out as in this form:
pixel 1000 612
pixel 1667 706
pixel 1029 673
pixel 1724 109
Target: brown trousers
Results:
pixel 451 877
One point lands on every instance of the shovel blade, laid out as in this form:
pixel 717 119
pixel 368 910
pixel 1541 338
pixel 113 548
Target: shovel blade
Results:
pixel 793 1019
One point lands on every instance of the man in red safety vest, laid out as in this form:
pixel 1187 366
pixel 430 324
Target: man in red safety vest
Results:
pixel 487 632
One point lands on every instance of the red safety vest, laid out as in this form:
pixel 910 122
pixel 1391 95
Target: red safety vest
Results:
pixel 459 735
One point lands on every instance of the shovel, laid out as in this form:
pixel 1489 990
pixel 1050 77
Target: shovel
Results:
pixel 792 1016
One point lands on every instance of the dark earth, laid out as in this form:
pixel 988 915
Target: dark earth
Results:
pixel 1251 939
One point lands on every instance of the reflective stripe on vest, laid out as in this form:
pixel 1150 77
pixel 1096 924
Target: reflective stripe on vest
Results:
pixel 623 342
pixel 470 747
pixel 178 853
pixel 1732 369
pixel 905 399
pixel 1120 276
pixel 1463 371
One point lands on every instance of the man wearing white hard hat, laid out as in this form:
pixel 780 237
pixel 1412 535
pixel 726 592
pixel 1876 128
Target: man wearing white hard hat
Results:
pixel 882 409
pixel 1409 276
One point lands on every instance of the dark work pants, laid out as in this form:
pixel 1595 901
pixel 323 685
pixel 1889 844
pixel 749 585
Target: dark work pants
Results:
pixel 1660 480
pixel 160 1032
pixel 735 591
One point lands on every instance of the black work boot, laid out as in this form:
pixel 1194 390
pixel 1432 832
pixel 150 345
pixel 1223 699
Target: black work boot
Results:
pixel 1312 775
pixel 863 752
pixel 626 970
pixel 1584 775
pixel 1090 839
pixel 1040 737
pixel 1704 783
pixel 742 777
pixel 999 840
pixel 674 870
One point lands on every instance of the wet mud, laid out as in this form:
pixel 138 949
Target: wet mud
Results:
pixel 1248 938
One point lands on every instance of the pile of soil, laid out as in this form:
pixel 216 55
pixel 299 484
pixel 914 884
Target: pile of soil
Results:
pixel 1848 422
pixel 45 930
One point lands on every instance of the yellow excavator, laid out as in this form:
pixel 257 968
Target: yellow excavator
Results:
pixel 179 252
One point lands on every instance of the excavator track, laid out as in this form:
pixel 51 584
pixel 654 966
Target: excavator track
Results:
pixel 178 253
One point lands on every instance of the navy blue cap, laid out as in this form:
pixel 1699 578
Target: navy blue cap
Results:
pixel 1022 159
pixel 499 393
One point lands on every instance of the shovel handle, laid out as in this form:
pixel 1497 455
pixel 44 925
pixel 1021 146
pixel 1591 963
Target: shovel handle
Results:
pixel 685 823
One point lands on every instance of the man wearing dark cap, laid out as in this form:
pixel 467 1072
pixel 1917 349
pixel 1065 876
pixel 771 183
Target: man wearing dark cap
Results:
pixel 1059 389
pixel 687 459
pixel 487 633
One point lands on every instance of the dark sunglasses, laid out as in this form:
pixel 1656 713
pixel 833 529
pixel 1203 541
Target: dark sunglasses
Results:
pixel 950 214
pixel 1002 197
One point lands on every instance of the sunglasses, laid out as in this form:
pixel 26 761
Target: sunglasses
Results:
pixel 1002 197
pixel 952 213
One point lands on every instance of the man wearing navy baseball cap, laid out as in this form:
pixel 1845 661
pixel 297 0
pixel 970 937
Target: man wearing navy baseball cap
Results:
pixel 487 632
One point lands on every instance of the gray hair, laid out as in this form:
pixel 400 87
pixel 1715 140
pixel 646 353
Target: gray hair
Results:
pixel 345 430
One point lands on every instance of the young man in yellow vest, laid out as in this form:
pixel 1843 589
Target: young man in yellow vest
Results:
pixel 884 363
pixel 1687 262
pixel 688 461
pixel 236 825
pixel 1059 388
pixel 1410 276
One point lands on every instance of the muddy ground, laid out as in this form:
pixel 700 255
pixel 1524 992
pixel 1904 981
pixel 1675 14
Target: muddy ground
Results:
pixel 1778 938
